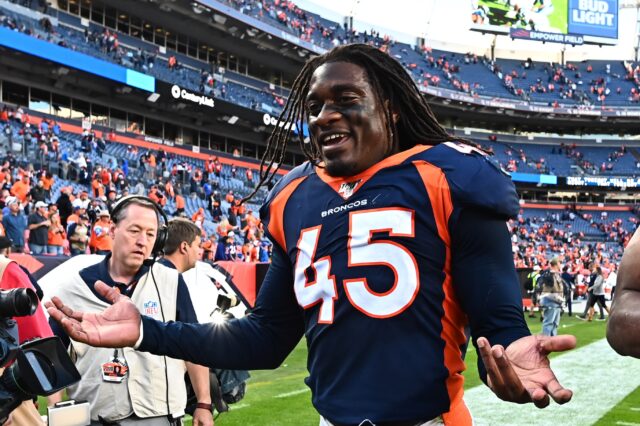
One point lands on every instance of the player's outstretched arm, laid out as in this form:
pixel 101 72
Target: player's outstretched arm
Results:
pixel 116 327
pixel 522 373
pixel 623 330
pixel 486 284
pixel 260 340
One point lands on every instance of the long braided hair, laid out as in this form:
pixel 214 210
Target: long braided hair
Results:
pixel 394 89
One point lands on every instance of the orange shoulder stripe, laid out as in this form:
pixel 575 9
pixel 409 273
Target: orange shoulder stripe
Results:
pixel 276 212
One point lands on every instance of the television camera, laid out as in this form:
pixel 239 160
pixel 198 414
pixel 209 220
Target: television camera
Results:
pixel 38 367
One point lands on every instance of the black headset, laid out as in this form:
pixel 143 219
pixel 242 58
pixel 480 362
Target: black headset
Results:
pixel 163 231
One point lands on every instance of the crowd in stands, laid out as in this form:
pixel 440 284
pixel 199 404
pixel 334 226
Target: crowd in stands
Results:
pixel 563 159
pixel 72 204
pixel 633 74
pixel 577 238
pixel 578 85
pixel 67 213
pixel 557 82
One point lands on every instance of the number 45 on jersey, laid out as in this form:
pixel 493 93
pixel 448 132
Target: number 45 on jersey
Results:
pixel 361 251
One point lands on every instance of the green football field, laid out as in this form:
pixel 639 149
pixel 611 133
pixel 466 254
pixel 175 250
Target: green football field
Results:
pixel 280 397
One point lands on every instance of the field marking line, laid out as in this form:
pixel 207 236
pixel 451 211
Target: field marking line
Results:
pixel 576 370
pixel 627 424
pixel 292 393
pixel 233 407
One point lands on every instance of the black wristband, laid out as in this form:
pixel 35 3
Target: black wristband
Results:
pixel 204 406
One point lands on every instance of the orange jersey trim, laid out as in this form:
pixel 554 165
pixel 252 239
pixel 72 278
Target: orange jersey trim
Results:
pixel 452 333
pixel 336 182
pixel 276 212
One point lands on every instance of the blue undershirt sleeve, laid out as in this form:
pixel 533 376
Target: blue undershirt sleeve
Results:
pixel 261 340
pixel 485 280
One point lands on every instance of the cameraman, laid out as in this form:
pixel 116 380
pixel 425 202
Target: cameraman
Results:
pixel 182 251
pixel 13 276
pixel 126 387
pixel 29 327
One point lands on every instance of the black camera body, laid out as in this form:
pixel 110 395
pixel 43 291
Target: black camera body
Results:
pixel 38 367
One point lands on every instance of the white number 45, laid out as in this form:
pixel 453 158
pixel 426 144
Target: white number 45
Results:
pixel 361 251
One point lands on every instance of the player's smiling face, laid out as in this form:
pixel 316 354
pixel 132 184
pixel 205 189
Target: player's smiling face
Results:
pixel 346 119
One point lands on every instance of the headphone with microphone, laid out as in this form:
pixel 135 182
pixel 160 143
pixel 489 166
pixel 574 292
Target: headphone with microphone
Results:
pixel 163 230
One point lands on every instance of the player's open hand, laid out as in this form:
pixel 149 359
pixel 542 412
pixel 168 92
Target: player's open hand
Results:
pixel 116 327
pixel 521 373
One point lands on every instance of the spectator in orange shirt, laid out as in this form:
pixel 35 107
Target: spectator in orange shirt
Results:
pixel 198 217
pixel 101 242
pixel 97 188
pixel 209 247
pixel 21 188
pixel 241 209
pixel 47 183
pixel 57 236
pixel 105 177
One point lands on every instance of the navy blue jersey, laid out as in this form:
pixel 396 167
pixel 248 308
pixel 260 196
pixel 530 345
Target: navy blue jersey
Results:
pixel 384 271
pixel 371 257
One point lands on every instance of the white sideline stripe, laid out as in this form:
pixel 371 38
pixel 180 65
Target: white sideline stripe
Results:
pixel 635 408
pixel 598 377
pixel 295 392
pixel 627 424
pixel 238 407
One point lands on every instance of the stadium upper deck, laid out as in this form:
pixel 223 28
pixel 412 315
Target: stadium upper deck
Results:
pixel 589 84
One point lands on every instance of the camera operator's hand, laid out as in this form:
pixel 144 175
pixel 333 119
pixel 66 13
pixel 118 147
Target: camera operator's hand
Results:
pixel 116 327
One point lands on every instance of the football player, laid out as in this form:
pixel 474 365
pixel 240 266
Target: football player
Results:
pixel 387 243
pixel 623 330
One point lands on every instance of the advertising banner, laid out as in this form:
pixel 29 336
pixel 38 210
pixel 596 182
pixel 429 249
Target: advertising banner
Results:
pixel 604 181
pixel 522 33
pixel 597 18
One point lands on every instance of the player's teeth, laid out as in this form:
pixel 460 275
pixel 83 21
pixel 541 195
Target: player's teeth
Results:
pixel 334 137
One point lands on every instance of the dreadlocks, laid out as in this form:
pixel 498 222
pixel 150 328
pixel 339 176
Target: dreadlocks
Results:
pixel 393 88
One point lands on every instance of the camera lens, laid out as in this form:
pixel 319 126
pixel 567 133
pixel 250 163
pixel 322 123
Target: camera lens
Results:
pixel 18 302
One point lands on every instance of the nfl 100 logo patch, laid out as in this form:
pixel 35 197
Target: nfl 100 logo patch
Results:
pixel 347 188
pixel 151 307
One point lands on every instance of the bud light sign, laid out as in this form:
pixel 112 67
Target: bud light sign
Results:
pixel 596 18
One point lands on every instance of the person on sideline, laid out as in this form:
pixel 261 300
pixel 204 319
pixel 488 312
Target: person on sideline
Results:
pixel 125 386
